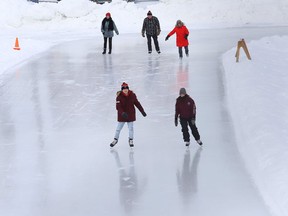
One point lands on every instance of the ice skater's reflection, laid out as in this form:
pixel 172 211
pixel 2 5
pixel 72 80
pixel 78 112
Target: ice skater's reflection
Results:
pixel 187 180
pixel 182 75
pixel 128 191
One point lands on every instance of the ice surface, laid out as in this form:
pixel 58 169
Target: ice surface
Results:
pixel 58 117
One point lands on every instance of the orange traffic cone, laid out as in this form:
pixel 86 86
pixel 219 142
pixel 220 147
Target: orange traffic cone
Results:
pixel 17 47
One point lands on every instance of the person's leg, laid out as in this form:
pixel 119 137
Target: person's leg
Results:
pixel 131 130
pixel 105 45
pixel 118 130
pixel 194 130
pixel 149 43
pixel 155 39
pixel 110 45
pixel 186 51
pixel 180 52
pixel 184 125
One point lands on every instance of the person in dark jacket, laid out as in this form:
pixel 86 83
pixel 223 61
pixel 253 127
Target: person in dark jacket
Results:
pixel 182 34
pixel 125 104
pixel 151 26
pixel 107 28
pixel 185 108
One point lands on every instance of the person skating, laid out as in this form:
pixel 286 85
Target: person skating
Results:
pixel 107 28
pixel 185 109
pixel 151 26
pixel 182 34
pixel 125 104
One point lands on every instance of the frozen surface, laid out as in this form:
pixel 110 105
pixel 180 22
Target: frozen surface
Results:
pixel 58 117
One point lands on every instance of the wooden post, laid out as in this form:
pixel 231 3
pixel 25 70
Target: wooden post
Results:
pixel 241 43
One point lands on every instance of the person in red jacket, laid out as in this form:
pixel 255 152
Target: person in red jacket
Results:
pixel 185 108
pixel 125 104
pixel 182 34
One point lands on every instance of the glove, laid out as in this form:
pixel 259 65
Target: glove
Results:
pixel 176 121
pixel 158 32
pixel 103 33
pixel 117 33
pixel 193 121
pixel 143 35
pixel 167 37
pixel 186 36
pixel 144 114
pixel 125 115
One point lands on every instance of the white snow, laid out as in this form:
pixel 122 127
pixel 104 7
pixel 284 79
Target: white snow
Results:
pixel 256 90
pixel 257 98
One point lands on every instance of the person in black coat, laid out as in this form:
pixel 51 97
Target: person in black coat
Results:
pixel 107 28
pixel 151 26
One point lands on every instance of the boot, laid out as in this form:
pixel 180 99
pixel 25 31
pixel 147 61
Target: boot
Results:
pixel 131 143
pixel 110 51
pixel 104 51
pixel 114 142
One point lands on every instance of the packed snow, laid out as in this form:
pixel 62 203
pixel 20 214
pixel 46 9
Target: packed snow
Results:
pixel 256 90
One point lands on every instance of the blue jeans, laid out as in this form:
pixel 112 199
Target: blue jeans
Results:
pixel 119 128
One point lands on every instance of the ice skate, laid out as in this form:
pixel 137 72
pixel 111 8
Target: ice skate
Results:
pixel 114 142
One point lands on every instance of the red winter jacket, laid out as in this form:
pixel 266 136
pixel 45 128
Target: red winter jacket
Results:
pixel 185 107
pixel 181 41
pixel 125 103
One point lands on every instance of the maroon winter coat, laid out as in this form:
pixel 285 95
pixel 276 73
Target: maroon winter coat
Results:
pixel 126 104
pixel 185 107
pixel 181 41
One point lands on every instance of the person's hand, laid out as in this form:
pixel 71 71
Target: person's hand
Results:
pixel 143 35
pixel 176 121
pixel 158 32
pixel 117 33
pixel 124 115
pixel 144 114
pixel 186 36
pixel 167 37
pixel 193 121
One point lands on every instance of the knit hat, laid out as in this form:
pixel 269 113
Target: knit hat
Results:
pixel 182 91
pixel 149 13
pixel 108 14
pixel 124 86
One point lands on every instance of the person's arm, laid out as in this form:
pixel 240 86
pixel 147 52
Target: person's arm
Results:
pixel 139 106
pixel 115 28
pixel 144 28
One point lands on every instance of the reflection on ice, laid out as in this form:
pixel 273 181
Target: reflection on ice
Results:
pixel 187 178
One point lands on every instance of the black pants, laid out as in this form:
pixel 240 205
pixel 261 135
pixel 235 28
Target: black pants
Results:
pixel 155 39
pixel 181 53
pixel 184 124
pixel 110 43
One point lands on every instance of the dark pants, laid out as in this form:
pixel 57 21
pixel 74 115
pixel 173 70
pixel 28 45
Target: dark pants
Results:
pixel 155 39
pixel 181 53
pixel 184 124
pixel 110 43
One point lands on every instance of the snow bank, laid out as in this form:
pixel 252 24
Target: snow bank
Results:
pixel 258 101
pixel 129 16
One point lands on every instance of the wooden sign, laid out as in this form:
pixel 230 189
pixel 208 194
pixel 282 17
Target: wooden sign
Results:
pixel 241 43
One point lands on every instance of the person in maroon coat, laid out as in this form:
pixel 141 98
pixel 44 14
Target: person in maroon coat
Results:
pixel 125 104
pixel 185 108
pixel 181 37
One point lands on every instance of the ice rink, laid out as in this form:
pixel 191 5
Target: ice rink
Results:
pixel 58 118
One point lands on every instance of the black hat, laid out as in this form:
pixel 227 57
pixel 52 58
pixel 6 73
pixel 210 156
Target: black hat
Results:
pixel 182 91
pixel 149 13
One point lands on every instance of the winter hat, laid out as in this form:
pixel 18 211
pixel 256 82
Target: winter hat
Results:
pixel 108 14
pixel 124 86
pixel 182 91
pixel 149 13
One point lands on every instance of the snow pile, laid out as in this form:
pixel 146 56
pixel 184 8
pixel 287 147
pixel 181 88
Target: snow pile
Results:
pixel 257 96
pixel 77 14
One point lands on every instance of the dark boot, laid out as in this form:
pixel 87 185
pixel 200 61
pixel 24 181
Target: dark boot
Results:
pixel 110 51
pixel 104 51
